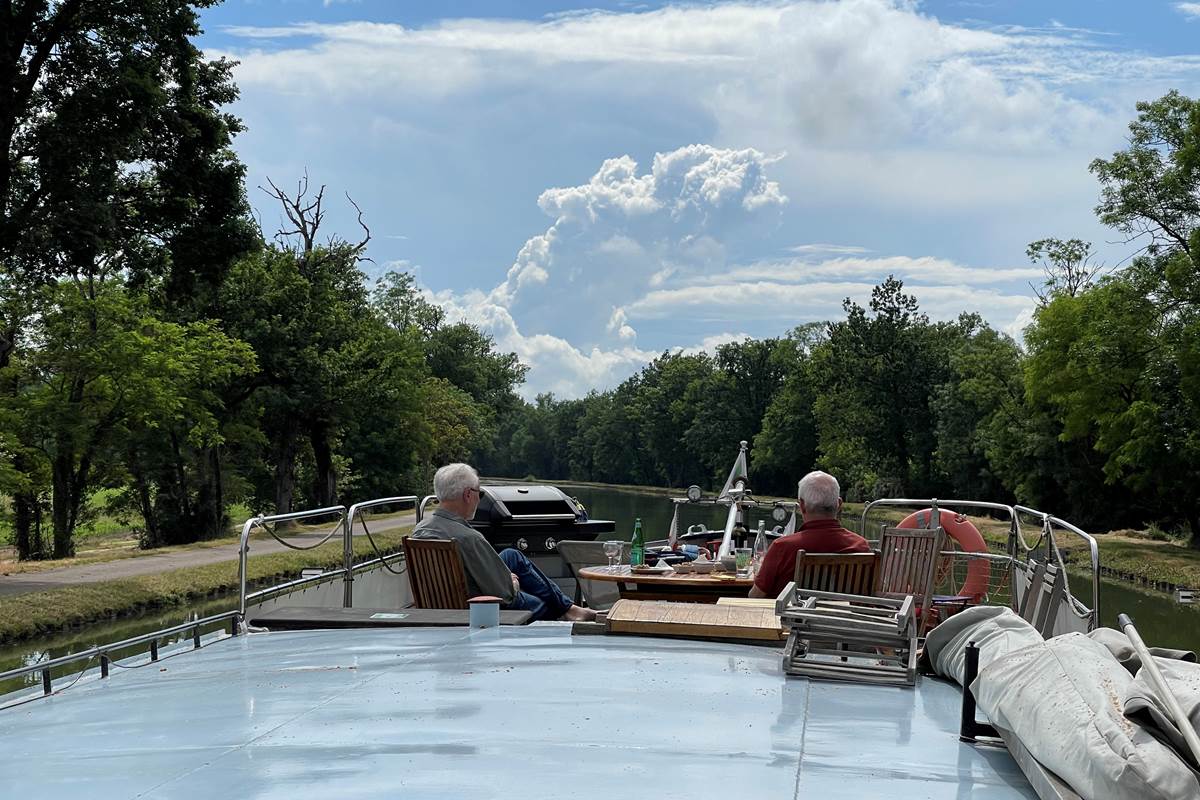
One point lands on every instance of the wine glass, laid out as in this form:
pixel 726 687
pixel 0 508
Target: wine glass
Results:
pixel 612 549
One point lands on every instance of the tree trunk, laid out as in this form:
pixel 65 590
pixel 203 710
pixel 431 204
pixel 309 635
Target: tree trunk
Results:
pixel 152 536
pixel 27 533
pixel 61 504
pixel 285 472
pixel 1193 519
pixel 325 480
pixel 216 496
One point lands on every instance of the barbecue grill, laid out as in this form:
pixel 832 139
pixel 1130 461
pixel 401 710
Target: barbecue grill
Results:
pixel 533 519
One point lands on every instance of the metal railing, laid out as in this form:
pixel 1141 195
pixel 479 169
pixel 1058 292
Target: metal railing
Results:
pixel 102 652
pixel 263 522
pixel 1017 547
pixel 236 618
pixel 354 513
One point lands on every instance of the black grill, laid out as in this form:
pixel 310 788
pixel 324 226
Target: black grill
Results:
pixel 533 518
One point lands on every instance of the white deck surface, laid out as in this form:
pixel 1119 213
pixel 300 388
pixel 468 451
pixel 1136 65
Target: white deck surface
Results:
pixel 517 713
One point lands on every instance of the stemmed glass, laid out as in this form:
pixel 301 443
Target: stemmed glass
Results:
pixel 612 549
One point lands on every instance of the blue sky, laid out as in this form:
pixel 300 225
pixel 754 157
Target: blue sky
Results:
pixel 594 184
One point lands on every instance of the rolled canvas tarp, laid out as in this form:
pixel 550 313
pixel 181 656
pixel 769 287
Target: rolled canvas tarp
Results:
pixel 1144 705
pixel 997 631
pixel 1122 649
pixel 1064 699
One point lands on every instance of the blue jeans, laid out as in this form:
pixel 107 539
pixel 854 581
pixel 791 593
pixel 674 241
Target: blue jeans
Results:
pixel 539 595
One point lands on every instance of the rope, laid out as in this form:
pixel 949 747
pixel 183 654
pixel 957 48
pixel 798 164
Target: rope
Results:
pixel 375 547
pixel 275 536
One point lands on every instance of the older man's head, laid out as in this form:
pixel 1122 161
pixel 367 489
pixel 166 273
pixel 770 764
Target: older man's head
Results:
pixel 457 489
pixel 819 495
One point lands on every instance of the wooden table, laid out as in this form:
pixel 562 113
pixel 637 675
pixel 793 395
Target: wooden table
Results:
pixel 671 586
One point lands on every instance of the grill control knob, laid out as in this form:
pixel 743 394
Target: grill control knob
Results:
pixel 522 545
pixel 551 544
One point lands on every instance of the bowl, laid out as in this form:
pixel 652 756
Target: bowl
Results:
pixel 703 567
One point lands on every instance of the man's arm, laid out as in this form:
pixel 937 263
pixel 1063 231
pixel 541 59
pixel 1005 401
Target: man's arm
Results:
pixel 486 568
pixel 767 570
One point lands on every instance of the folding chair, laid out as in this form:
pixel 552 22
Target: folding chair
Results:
pixel 908 563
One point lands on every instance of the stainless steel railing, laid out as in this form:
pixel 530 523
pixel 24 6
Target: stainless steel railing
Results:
pixel 1017 547
pixel 236 618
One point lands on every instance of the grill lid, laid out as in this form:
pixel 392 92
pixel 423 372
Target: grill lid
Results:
pixel 499 505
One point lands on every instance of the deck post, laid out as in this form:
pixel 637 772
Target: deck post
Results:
pixel 104 665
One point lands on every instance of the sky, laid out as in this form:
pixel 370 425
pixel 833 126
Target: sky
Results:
pixel 595 184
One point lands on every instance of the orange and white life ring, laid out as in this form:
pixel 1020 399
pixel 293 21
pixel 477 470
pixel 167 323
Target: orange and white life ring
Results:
pixel 969 540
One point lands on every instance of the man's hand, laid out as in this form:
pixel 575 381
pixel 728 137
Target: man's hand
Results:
pixel 516 582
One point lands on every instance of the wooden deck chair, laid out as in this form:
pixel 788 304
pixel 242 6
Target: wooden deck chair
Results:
pixel 842 573
pixel 908 563
pixel 1039 605
pixel 435 570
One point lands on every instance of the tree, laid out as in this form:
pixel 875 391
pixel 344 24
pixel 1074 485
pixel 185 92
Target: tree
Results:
pixel 1067 265
pixel 116 162
pixel 874 376
pixel 786 447
pixel 105 370
pixel 1119 364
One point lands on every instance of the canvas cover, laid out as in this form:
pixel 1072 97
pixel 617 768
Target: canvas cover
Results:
pixel 1064 699
pixel 1144 705
pixel 994 629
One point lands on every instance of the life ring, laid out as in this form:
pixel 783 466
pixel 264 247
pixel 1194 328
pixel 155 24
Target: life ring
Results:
pixel 969 540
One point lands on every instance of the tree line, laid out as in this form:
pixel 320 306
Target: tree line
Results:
pixel 156 342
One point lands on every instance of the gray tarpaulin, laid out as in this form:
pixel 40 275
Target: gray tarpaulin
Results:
pixel 1064 699
pixel 995 630
pixel 1122 649
pixel 1143 704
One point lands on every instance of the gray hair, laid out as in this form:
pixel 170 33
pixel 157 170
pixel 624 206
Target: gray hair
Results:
pixel 452 480
pixel 820 493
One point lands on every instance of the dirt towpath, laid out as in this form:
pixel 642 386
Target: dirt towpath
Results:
pixel 152 563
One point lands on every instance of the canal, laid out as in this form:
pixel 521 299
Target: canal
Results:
pixel 1160 619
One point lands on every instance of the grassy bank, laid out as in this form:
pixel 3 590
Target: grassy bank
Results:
pixel 1132 555
pixel 29 615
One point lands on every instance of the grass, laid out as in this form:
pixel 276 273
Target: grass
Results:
pixel 1143 554
pixel 34 614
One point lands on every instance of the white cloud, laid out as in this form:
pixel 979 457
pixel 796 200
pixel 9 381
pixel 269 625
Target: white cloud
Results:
pixel 1189 10
pixel 838 249
pixel 888 117
pixel 613 239
pixel 709 344
pixel 622 232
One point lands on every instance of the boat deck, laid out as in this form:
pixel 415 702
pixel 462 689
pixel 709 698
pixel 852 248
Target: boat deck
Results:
pixel 502 713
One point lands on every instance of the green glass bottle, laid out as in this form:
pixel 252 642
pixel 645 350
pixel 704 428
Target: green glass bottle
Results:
pixel 637 548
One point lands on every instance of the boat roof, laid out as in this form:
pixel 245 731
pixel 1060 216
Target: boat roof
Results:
pixel 500 713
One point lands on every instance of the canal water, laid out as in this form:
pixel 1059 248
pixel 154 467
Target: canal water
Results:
pixel 1159 618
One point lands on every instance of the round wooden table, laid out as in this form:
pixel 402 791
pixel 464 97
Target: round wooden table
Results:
pixel 671 586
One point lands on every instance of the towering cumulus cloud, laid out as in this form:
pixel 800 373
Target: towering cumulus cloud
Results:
pixel 614 239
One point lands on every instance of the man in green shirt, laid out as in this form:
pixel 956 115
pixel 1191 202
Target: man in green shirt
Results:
pixel 509 575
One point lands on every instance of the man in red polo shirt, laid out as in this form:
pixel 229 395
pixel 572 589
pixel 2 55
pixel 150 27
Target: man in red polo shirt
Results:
pixel 820 501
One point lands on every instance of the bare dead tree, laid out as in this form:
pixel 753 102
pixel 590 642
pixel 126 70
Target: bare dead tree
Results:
pixel 305 214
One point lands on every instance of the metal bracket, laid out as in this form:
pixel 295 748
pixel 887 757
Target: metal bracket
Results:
pixel 970 729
